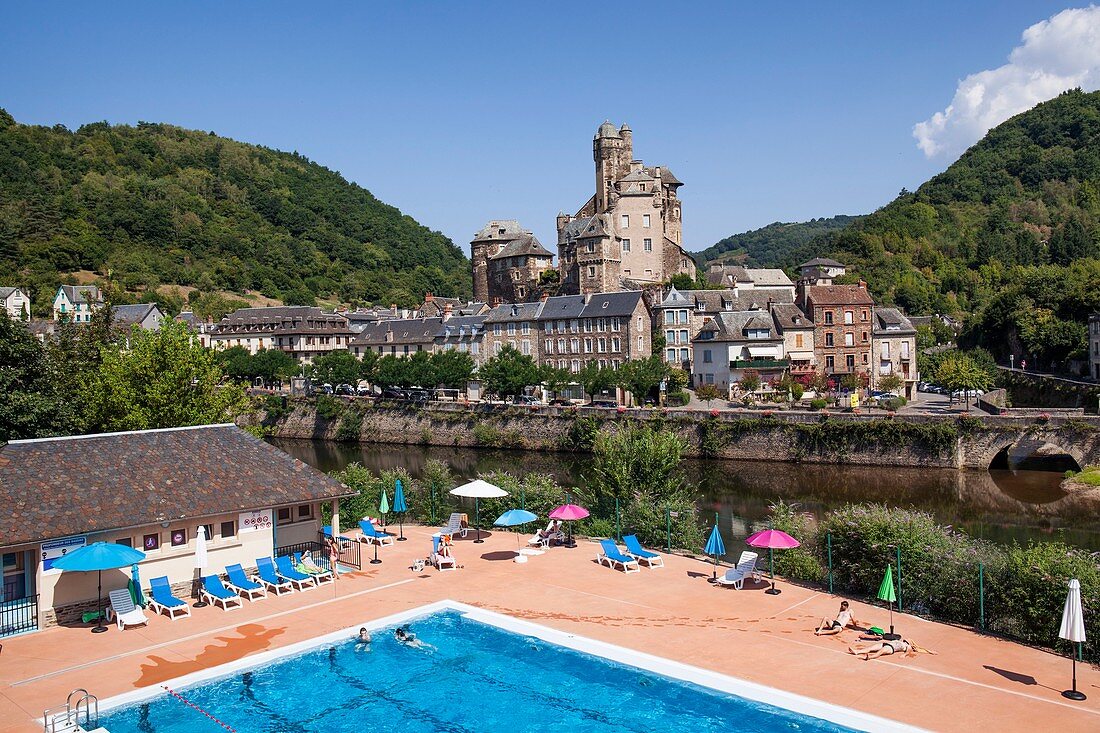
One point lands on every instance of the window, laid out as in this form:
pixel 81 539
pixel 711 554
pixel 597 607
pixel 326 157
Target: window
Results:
pixel 684 355
pixel 229 529
pixel 511 329
pixel 683 336
pixel 588 325
pixel 549 346
pixel 591 271
pixel 624 220
pixel 615 323
pixel 645 220
pixel 526 347
pixel 829 363
pixel 863 337
pixel 647 245
pixel 905 349
pixel 670 317
pixel 574 346
pixel 848 318
pixel 151 542
pixel 602 345
pixel 710 379
pixel 798 341
pixel 561 346
pixel 849 339
pixel 588 346
pixel 670 337
pixel 626 245
pixel 707 357
pixel 829 339
pixel 525 328
pixel 591 247
pixel 125 541
pixel 178 537
pixel 670 355
pixel 828 318
pixel 548 327
pixel 615 343
pixel 576 366
pixel 863 315
pixel 850 361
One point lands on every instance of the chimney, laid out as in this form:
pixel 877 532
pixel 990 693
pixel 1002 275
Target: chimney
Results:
pixel 427 297
pixel 862 284
pixel 447 311
pixel 544 297
pixel 497 301
pixel 393 308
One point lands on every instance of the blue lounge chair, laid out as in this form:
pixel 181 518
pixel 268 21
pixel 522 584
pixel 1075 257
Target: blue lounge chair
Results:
pixel 301 581
pixel 372 535
pixel 265 573
pixel 612 557
pixel 162 600
pixel 239 582
pixel 320 575
pixel 635 550
pixel 218 594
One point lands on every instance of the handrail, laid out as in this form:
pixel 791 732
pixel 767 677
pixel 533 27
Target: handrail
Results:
pixel 69 715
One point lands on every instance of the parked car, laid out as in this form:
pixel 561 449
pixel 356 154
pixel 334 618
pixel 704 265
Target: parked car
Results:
pixel 419 396
pixel 325 388
pixel 363 391
pixel 393 393
pixel 604 403
pixel 526 399
pixel 345 389
pixel 561 402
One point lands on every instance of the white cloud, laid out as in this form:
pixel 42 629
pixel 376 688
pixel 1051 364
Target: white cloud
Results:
pixel 1056 54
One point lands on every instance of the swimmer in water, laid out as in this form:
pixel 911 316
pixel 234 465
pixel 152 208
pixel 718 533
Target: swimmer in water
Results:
pixel 362 641
pixel 408 638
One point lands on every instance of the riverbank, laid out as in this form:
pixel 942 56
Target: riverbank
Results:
pixel 920 441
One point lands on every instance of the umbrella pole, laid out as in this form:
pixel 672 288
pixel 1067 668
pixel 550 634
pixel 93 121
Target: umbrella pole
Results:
pixel 773 591
pixel 1074 693
pixel 402 538
pixel 100 628
pixel 477 519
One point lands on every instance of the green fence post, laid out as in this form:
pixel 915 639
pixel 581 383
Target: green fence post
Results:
pixel 899 578
pixel 433 505
pixel 829 550
pixel 618 531
pixel 668 527
pixel 981 597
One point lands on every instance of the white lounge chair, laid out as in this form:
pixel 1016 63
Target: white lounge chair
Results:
pixel 124 611
pixel 441 562
pixel 746 567
pixel 545 537
pixel 454 526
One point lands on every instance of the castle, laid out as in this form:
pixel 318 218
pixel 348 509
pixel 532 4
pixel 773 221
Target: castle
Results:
pixel 627 235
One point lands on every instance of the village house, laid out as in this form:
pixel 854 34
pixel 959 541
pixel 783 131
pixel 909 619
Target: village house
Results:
pixel 16 302
pixel 76 303
pixel 729 343
pixel 842 326
pixel 508 262
pixel 515 325
pixel 894 345
pixel 147 316
pixel 303 332
pixel 150 490
pixel 434 307
pixel 772 281
pixel 402 337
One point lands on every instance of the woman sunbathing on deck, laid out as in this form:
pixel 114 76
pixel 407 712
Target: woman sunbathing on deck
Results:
pixel 886 647
pixel 844 620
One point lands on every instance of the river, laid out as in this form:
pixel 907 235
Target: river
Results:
pixel 999 505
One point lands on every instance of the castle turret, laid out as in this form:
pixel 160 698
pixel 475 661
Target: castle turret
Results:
pixel 612 157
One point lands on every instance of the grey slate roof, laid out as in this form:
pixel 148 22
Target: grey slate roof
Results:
pixel 513 312
pixel 612 304
pixel 125 315
pixel 714 301
pixel 892 322
pixel 83 294
pixel 524 244
pixel 403 330
pixel 562 306
pixel 6 292
pixel 285 319
pixel 732 325
pixel 821 262
pixel 500 229
pixel 675 299
pixel 789 316
pixel 59 487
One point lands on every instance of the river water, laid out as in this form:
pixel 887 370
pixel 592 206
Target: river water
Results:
pixel 999 505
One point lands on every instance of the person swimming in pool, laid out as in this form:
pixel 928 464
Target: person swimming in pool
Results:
pixel 408 638
pixel 844 620
pixel 362 640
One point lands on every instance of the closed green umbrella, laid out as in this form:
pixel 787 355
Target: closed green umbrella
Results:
pixel 384 506
pixel 886 593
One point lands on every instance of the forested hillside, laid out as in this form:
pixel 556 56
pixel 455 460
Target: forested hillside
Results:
pixel 775 243
pixel 154 205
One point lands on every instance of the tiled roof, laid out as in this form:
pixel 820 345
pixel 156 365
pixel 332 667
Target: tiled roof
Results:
pixel 612 304
pixel 891 321
pixel 789 316
pixel 524 244
pixel 124 315
pixel 58 487
pixel 839 295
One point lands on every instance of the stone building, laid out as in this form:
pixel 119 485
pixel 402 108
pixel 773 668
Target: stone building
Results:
pixel 508 262
pixel 842 326
pixel 435 306
pixel 403 337
pixel 894 344
pixel 736 277
pixel 629 232
pixel 301 331
pixel 1094 345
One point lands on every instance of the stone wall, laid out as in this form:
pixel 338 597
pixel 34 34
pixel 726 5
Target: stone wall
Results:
pixel 914 440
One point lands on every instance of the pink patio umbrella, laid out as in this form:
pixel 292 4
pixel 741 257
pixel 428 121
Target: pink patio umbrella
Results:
pixel 773 539
pixel 569 513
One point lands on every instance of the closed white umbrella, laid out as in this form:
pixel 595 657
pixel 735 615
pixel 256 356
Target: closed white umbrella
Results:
pixel 200 560
pixel 1073 629
pixel 478 490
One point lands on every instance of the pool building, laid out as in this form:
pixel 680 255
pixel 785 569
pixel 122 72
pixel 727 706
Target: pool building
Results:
pixel 150 490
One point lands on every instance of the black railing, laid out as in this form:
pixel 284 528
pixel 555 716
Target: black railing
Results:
pixel 349 552
pixel 19 615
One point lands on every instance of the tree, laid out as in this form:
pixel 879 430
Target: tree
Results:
pixel 750 381
pixel 959 371
pixel 555 378
pixel 595 379
pixel 890 383
pixel 682 281
pixel 639 377
pixel 236 362
pixel 419 370
pixel 639 459
pixel 508 373
pixel 452 368
pixel 31 403
pixel 391 371
pixel 165 379
pixel 335 367
pixel 273 365
pixel 708 393
pixel 677 379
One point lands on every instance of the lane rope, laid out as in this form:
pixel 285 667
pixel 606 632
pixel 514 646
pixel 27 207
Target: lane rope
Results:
pixel 190 704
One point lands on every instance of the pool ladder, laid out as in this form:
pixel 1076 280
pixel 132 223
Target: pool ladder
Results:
pixel 74 716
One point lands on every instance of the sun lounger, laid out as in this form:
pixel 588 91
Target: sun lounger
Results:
pixel 454 526
pixel 305 564
pixel 213 590
pixel 746 567
pixel 546 537
pixel 612 557
pixel 161 599
pixel 301 581
pixel 239 582
pixel 635 550
pixel 265 573
pixel 440 562
pixel 374 536
pixel 123 610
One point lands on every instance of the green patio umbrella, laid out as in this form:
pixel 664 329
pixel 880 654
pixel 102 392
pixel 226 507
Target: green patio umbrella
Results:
pixel 886 593
pixel 384 506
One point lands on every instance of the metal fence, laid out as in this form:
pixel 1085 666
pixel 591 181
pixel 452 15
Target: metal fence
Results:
pixel 18 616
pixel 349 552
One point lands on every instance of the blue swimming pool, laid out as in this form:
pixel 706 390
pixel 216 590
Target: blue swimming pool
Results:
pixel 477 678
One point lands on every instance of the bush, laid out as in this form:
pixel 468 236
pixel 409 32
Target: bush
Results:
pixel 351 426
pixel 677 399
pixel 818 404
pixel 797 390
pixel 328 407
pixel 582 433
pixel 895 404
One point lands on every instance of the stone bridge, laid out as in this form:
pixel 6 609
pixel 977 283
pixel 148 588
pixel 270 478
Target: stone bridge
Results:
pixel 1020 437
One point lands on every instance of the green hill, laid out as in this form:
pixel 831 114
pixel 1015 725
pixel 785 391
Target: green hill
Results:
pixel 155 205
pixel 771 245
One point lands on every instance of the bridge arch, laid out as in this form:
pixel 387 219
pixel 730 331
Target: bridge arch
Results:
pixel 1045 452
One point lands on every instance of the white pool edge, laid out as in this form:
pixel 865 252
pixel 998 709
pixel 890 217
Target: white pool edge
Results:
pixel 658 665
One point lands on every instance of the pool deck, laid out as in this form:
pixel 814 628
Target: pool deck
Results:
pixel 973 683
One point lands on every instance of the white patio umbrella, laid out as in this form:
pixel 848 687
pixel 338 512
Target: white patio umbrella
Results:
pixel 200 562
pixel 478 490
pixel 1073 629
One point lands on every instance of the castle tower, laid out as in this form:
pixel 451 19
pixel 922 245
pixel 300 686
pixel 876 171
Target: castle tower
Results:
pixel 612 155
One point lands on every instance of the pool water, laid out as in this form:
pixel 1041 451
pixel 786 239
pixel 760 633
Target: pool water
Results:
pixel 476 678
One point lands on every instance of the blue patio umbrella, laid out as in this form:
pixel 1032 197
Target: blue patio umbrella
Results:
pixel 514 518
pixel 399 507
pixel 715 547
pixel 135 586
pixel 99 556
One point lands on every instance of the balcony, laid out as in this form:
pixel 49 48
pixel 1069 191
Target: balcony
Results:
pixel 759 364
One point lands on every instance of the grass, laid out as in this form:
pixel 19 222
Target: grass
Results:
pixel 1090 476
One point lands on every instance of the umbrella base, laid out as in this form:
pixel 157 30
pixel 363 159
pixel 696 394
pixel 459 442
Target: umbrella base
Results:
pixel 891 637
pixel 201 604
pixel 478 542
pixel 376 561
pixel 1074 695
pixel 101 628
pixel 773 591
pixel 402 539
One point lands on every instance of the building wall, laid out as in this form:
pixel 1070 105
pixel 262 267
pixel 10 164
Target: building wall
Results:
pixel 1094 346
pixel 18 305
pixel 896 355
pixel 859 330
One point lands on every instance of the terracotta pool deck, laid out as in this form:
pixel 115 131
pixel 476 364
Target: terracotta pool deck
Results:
pixel 973 683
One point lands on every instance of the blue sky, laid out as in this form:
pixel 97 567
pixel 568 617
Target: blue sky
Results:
pixel 462 112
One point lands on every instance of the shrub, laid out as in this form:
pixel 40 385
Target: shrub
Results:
pixel 351 426
pixel 797 390
pixel 677 399
pixel 818 403
pixel 275 408
pixel 895 404
pixel 328 407
pixel 582 434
